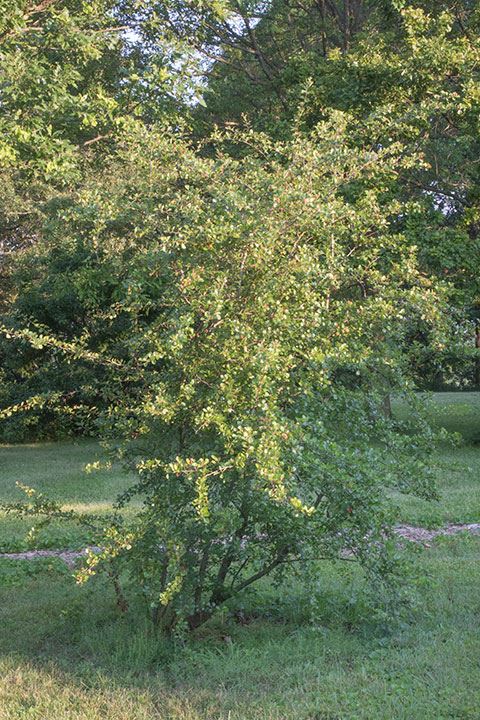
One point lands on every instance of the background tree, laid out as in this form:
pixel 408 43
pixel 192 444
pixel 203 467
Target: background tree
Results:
pixel 76 80
pixel 76 77
pixel 406 72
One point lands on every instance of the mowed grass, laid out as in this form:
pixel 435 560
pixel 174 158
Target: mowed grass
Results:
pixel 66 654
pixel 58 471
pixel 456 464
pixel 457 412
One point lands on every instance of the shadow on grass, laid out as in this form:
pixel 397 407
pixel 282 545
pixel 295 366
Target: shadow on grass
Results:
pixel 67 653
pixel 46 615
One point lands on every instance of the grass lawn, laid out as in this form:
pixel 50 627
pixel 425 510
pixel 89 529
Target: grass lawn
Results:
pixel 65 653
pixel 457 467
pixel 58 470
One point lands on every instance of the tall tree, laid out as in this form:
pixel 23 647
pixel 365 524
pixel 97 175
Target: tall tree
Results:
pixel 405 71
pixel 75 78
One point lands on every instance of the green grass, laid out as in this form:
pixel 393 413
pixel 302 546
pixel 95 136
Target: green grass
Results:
pixel 457 468
pixel 457 412
pixel 457 473
pixel 58 471
pixel 65 654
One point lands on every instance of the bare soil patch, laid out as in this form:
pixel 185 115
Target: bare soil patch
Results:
pixel 407 532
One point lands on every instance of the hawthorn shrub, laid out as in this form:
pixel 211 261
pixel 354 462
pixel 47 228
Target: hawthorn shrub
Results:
pixel 263 301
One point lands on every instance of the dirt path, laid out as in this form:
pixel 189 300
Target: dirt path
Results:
pixel 422 535
pixel 408 532
pixel 68 556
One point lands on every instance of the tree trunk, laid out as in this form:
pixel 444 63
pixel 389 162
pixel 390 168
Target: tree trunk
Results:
pixel 198 618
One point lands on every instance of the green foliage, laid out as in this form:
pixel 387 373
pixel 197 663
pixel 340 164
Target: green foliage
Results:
pixel 83 76
pixel 76 78
pixel 408 72
pixel 235 314
pixel 260 297
pixel 67 289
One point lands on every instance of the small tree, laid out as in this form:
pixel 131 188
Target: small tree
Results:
pixel 260 297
